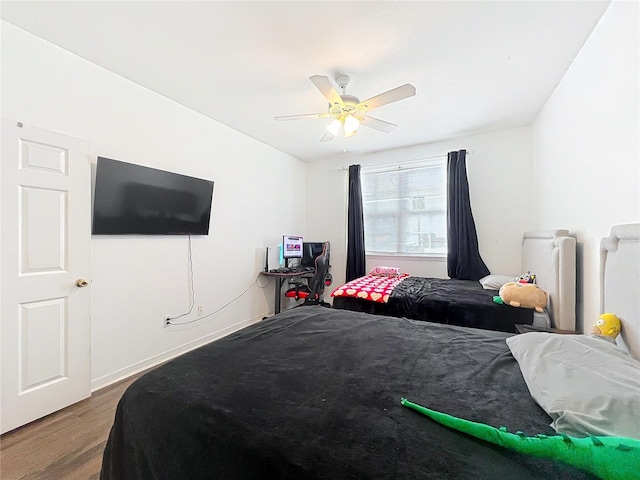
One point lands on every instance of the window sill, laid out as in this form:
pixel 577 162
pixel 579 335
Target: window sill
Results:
pixel 425 257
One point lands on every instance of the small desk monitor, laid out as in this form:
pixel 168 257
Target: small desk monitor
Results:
pixel 310 250
pixel 291 246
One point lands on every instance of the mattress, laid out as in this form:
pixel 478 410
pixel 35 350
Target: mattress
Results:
pixel 454 302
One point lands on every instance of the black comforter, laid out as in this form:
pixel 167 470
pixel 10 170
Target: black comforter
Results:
pixel 454 302
pixel 314 393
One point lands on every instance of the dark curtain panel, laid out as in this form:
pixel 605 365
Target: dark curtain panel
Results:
pixel 463 257
pixel 355 220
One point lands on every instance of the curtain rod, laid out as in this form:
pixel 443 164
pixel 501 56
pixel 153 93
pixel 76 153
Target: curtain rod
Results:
pixel 398 164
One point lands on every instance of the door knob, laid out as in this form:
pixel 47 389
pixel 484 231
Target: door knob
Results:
pixel 82 282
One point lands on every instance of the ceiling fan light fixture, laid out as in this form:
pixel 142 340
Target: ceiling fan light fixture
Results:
pixel 334 127
pixel 347 111
pixel 351 124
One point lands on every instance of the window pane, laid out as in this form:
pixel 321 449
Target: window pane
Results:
pixel 381 233
pixel 405 210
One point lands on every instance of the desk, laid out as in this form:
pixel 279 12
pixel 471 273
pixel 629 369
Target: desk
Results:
pixel 280 278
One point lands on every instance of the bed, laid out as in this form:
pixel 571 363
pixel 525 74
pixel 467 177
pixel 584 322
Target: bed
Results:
pixel 620 282
pixel 314 393
pixel 550 255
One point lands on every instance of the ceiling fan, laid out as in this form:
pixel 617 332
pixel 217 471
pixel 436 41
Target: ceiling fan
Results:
pixel 347 111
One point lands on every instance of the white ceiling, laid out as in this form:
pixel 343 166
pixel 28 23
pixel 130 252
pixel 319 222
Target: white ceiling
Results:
pixel 477 66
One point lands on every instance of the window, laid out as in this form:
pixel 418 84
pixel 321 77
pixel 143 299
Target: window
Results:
pixel 405 209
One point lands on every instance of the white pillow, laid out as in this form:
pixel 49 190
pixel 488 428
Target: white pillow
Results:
pixel 587 385
pixel 494 282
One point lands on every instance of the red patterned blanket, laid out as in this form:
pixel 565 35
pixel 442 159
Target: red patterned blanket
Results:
pixel 376 288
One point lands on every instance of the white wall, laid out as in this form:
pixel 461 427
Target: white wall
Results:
pixel 500 183
pixel 585 145
pixel 138 280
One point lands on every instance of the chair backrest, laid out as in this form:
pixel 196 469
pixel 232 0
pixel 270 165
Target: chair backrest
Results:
pixel 317 282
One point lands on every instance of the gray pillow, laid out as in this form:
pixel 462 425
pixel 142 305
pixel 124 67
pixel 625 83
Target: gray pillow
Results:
pixel 587 384
pixel 494 282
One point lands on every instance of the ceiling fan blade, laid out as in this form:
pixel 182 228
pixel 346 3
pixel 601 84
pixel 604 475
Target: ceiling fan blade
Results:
pixel 305 115
pixel 381 125
pixel 327 89
pixel 398 93
pixel 327 136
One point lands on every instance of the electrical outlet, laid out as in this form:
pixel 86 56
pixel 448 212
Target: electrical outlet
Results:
pixel 200 310
pixel 166 321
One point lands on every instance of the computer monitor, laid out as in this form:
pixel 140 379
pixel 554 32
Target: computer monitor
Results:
pixel 310 250
pixel 291 246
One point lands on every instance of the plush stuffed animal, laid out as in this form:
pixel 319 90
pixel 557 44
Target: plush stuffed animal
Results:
pixel 525 295
pixel 607 325
pixel 609 458
pixel 526 278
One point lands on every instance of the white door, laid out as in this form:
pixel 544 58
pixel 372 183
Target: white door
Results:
pixel 45 240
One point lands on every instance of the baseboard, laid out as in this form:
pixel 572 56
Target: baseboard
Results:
pixel 123 373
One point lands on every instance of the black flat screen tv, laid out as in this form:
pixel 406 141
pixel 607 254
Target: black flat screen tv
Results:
pixel 132 199
pixel 310 250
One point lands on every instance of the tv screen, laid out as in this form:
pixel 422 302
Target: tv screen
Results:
pixel 132 199
pixel 291 246
pixel 310 250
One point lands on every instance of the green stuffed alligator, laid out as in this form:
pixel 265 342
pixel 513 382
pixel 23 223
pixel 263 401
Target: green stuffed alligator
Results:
pixel 610 458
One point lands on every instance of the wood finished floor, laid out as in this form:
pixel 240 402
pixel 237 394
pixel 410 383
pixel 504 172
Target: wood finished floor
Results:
pixel 66 445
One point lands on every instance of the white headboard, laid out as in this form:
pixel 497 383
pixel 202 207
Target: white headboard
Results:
pixel 620 282
pixel 551 256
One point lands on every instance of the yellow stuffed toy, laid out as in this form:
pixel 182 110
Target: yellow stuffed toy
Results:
pixel 607 325
pixel 525 295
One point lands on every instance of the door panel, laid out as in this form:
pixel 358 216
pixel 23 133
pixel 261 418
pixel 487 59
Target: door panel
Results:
pixel 42 343
pixel 45 322
pixel 41 235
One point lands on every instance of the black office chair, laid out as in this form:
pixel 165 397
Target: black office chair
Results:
pixel 313 291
